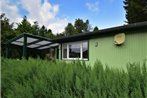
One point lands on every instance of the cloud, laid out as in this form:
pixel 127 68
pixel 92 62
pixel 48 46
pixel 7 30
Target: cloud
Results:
pixel 11 11
pixel 94 7
pixel 45 13
pixel 58 23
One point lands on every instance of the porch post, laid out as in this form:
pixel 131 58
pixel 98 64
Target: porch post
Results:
pixel 25 47
pixel 7 50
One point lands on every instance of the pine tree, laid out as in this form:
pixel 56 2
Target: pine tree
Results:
pixel 135 10
pixel 79 25
pixel 35 28
pixel 24 26
pixel 7 31
pixel 69 29
pixel 49 34
pixel 95 29
pixel 87 26
pixel 42 31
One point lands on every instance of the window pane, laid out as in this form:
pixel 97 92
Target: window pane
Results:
pixel 85 49
pixel 65 51
pixel 74 50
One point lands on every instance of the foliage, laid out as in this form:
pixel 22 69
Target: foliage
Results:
pixel 79 27
pixel 24 27
pixel 43 79
pixel 7 31
pixel 95 28
pixel 82 26
pixel 43 31
pixel 136 10
pixel 69 29
pixel 87 26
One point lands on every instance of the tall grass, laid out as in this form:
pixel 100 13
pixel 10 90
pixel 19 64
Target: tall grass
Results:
pixel 43 79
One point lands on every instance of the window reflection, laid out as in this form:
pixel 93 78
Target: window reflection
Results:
pixel 85 49
pixel 74 50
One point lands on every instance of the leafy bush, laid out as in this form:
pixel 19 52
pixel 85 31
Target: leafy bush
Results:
pixel 43 79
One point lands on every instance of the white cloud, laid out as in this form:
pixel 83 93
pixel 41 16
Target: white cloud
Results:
pixel 58 23
pixel 45 14
pixel 11 11
pixel 94 7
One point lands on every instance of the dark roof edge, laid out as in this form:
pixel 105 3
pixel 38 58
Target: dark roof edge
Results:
pixel 15 38
pixel 103 31
pixel 82 36
pixel 28 35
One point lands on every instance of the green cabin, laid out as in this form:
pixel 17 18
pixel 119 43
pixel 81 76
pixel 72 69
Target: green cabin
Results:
pixel 113 46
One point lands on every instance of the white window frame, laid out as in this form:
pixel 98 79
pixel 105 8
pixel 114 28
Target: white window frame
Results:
pixel 81 51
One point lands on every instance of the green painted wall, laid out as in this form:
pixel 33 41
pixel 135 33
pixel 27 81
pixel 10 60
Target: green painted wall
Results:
pixel 146 47
pixel 133 50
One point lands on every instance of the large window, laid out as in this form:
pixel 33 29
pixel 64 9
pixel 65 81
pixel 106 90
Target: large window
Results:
pixel 75 50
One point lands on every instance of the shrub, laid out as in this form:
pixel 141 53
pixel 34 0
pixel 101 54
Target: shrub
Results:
pixel 36 78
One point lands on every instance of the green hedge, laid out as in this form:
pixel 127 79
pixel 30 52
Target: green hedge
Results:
pixel 35 78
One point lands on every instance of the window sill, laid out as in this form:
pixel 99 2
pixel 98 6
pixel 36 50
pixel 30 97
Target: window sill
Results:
pixel 74 59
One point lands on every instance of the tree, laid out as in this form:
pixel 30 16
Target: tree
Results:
pixel 25 27
pixel 135 10
pixel 95 28
pixel 7 31
pixel 69 29
pixel 87 26
pixel 35 28
pixel 45 33
pixel 42 31
pixel 59 35
pixel 49 34
pixel 79 25
pixel 82 26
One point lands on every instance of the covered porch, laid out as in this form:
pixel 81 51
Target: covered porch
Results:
pixel 34 46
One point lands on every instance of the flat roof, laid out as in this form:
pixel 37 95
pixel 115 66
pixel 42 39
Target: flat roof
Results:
pixel 103 32
pixel 33 41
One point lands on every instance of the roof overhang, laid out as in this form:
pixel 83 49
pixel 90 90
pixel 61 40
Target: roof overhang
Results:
pixel 103 32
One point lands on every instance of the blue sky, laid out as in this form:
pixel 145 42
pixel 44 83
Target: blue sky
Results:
pixel 55 14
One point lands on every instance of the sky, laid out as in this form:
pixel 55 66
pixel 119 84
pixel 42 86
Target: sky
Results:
pixel 56 14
